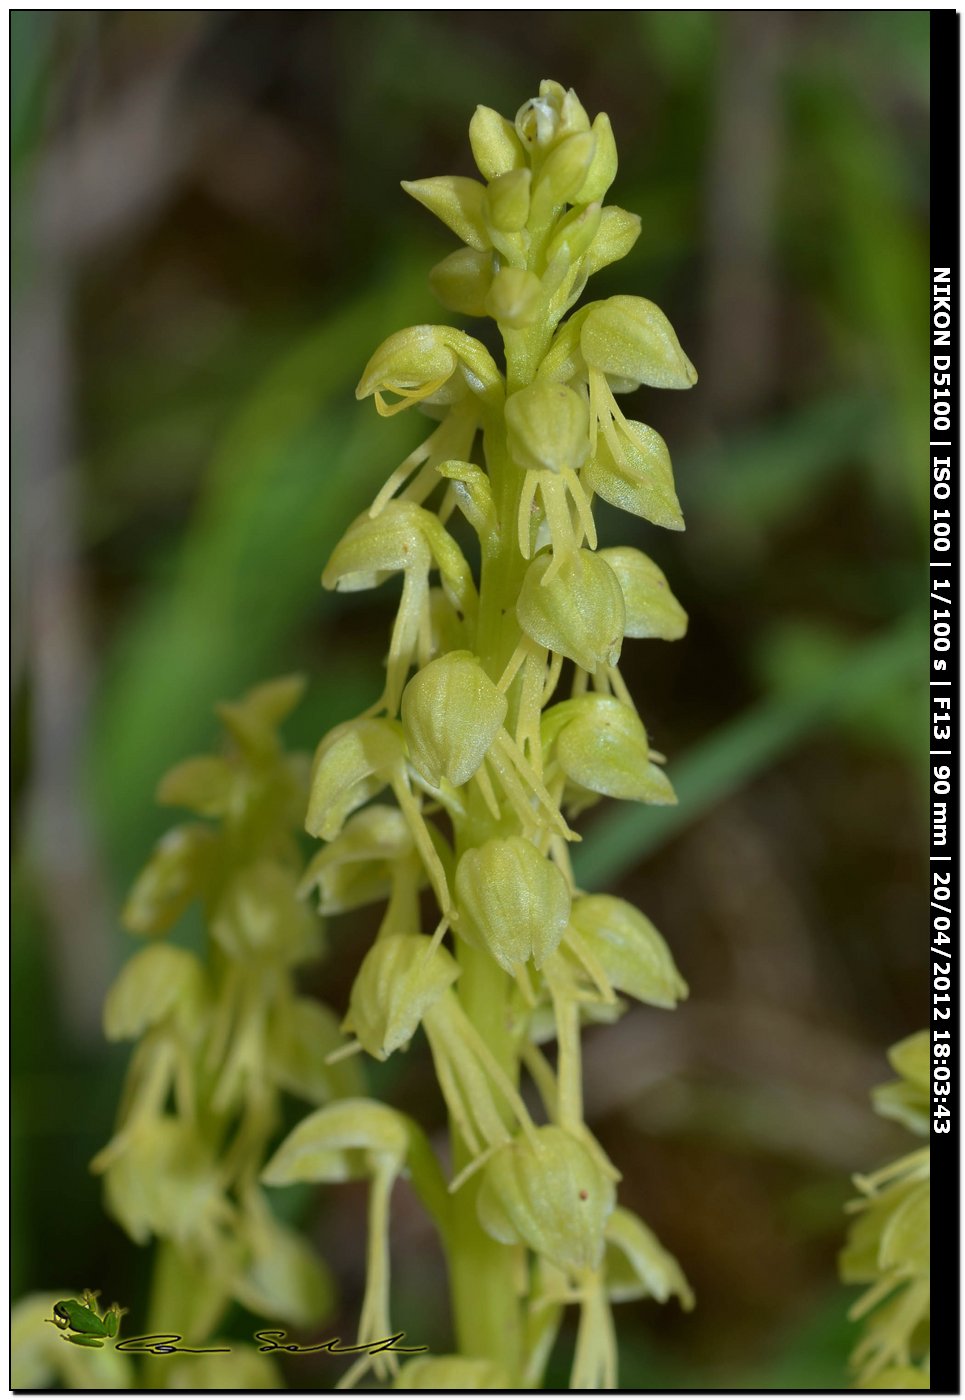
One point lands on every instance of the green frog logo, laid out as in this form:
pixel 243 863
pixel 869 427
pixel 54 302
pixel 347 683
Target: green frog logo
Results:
pixel 82 1324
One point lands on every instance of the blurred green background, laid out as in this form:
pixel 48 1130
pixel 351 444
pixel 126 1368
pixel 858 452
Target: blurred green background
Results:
pixel 209 240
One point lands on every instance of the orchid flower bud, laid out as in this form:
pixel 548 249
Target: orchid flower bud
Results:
pixel 260 915
pixel 908 1099
pixel 911 1058
pixel 563 362
pixel 548 427
pixel 207 785
pixel 580 613
pixel 356 867
pixel 496 148
pixel 631 339
pixel 546 1190
pixel 601 744
pixel 637 1265
pixel 473 491
pixel 462 281
pixel 616 234
pixel 412 364
pixel 564 172
pixel 628 948
pixel 651 608
pixel 575 234
pixel 420 364
pixel 458 202
pixel 631 470
pixel 166 1183
pixel 254 719
pixel 403 537
pixel 514 298
pixel 341 1142
pixel 548 118
pixel 512 901
pixel 156 985
pixel 373 549
pixel 400 978
pixel 507 201
pixel 602 169
pixel 353 763
pixel 180 870
pixel 451 713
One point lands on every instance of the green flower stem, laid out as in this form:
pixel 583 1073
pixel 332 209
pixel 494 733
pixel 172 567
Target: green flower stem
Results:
pixel 488 1316
pixel 503 567
pixel 482 1273
pixel 486 1311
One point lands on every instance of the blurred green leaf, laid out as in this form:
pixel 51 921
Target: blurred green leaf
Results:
pixel 795 656
pixel 872 254
pixel 293 468
pixel 31 41
pixel 760 477
pixel 746 747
